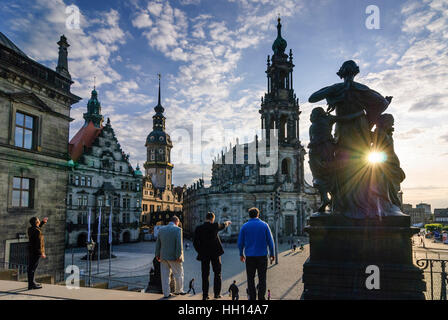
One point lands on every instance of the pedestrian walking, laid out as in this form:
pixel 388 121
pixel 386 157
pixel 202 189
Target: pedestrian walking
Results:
pixel 169 252
pixel 234 291
pixel 294 247
pixel 36 249
pixel 269 294
pixel 191 286
pixel 209 248
pixel 253 241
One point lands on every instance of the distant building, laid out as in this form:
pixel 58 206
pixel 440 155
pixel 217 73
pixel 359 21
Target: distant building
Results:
pixel 35 104
pixel 418 214
pixel 161 199
pixel 101 177
pixel 441 216
pixel 426 207
pixel 238 185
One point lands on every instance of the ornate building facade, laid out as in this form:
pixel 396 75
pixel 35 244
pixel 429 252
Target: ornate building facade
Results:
pixel 102 178
pixel 238 183
pixel 35 106
pixel 160 198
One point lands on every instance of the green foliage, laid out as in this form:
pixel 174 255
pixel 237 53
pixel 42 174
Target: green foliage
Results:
pixel 433 227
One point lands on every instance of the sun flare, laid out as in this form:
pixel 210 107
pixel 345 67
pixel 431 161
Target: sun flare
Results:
pixel 376 157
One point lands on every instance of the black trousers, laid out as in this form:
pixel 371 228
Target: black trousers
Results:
pixel 205 268
pixel 256 265
pixel 190 289
pixel 234 297
pixel 32 266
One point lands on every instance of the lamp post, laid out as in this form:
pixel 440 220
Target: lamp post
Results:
pixel 90 250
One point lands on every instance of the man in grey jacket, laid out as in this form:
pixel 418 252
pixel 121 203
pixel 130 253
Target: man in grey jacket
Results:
pixel 169 252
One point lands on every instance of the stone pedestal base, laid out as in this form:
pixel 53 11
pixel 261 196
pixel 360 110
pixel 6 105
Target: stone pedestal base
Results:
pixel 341 249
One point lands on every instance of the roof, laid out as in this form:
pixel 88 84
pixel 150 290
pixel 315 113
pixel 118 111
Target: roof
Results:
pixel 9 44
pixel 84 138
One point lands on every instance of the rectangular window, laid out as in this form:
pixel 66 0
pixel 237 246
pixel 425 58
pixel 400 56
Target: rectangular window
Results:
pixel 151 208
pixel 145 207
pixel 24 131
pixel 84 201
pixel 22 192
pixel 76 180
pixel 137 203
pixel 89 181
pixel 70 199
pixel 137 187
pixel 83 181
pixel 116 202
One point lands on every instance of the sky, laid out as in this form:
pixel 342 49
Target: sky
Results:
pixel 212 58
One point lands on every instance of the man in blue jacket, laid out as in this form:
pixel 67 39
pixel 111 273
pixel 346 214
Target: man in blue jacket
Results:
pixel 254 239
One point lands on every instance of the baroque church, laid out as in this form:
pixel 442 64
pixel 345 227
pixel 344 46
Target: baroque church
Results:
pixel 238 183
pixel 161 199
pixel 101 180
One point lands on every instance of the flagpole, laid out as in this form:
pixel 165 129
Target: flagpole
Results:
pixel 88 240
pixel 110 240
pixel 98 240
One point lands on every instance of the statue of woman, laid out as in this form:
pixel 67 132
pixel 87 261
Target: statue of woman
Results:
pixel 351 194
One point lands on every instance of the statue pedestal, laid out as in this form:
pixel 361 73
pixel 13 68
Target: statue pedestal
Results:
pixel 342 248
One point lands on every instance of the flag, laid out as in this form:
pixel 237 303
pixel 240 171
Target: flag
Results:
pixel 110 226
pixel 88 225
pixel 99 230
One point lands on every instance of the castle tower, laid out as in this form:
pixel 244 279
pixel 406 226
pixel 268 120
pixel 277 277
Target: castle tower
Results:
pixel 158 145
pixel 93 111
pixel 280 110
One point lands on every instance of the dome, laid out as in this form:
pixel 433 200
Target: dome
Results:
pixel 158 137
pixel 137 171
pixel 279 44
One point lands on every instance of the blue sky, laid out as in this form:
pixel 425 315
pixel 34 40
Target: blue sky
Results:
pixel 212 57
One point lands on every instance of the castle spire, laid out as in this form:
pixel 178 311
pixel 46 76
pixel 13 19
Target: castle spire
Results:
pixel 62 67
pixel 159 108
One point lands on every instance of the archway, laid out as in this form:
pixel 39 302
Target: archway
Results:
pixel 126 237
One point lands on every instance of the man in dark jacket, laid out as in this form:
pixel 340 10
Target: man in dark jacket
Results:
pixel 233 289
pixel 209 248
pixel 36 249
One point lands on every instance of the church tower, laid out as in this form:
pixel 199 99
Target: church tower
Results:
pixel 280 110
pixel 158 146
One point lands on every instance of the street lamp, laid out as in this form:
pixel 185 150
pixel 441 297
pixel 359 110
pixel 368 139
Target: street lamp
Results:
pixel 90 250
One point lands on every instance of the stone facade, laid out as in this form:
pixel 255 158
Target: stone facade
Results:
pixel 159 193
pixel 441 216
pixel 241 177
pixel 34 128
pixel 101 178
pixel 418 215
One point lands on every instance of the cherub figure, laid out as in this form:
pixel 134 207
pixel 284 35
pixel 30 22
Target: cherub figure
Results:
pixel 322 148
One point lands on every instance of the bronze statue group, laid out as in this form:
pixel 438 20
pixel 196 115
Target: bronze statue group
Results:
pixel 358 188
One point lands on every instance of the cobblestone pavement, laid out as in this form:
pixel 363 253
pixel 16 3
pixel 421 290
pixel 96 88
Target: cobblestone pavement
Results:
pixel 134 261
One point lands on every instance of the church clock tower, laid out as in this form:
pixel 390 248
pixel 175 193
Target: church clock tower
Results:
pixel 158 146
pixel 280 111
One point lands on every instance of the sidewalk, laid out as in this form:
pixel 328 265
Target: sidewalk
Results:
pixel 15 290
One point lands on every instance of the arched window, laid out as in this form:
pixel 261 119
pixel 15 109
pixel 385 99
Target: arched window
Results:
pixel 285 166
